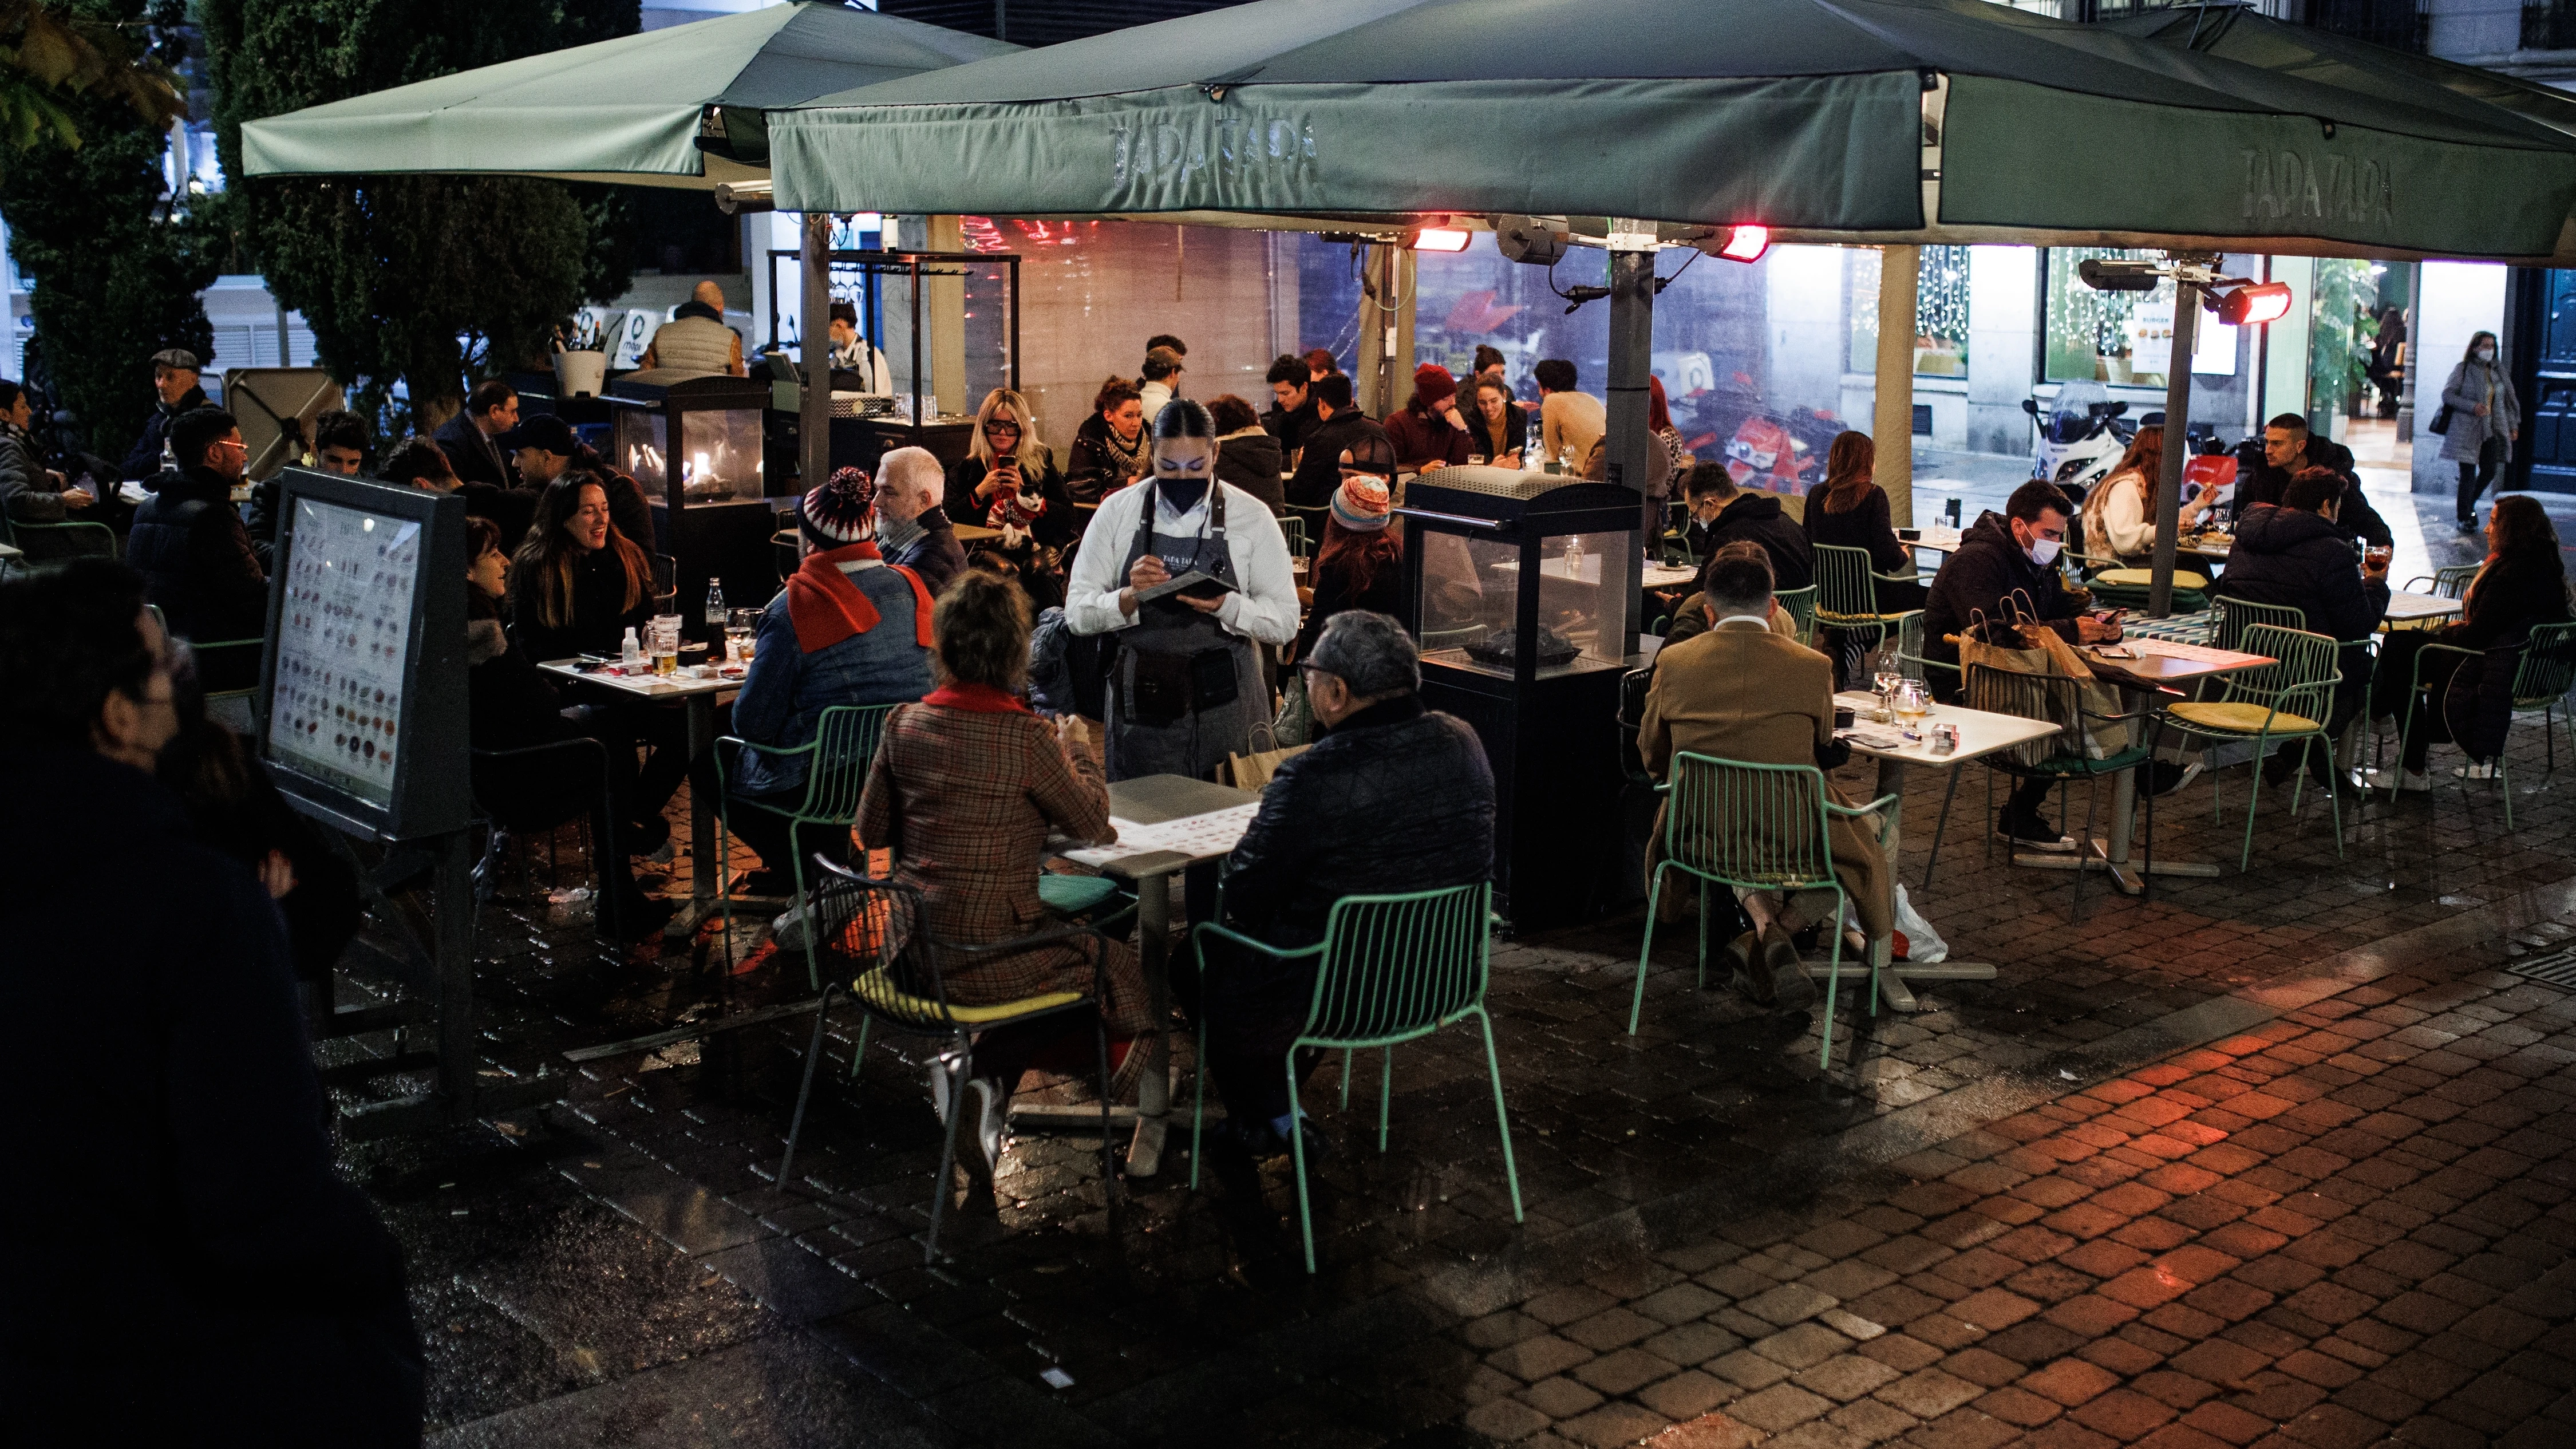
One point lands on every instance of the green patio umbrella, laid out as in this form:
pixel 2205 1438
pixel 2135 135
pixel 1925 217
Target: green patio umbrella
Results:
pixel 630 110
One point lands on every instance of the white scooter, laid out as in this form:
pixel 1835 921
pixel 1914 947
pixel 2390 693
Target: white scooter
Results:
pixel 2081 437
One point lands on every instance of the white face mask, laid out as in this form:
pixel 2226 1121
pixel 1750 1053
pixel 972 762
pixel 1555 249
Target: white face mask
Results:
pixel 2043 551
pixel 2486 354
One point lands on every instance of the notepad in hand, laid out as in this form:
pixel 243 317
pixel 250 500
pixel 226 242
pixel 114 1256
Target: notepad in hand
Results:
pixel 1191 585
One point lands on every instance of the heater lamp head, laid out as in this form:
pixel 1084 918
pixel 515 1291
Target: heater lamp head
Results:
pixel 1437 239
pixel 2252 306
pixel 1744 243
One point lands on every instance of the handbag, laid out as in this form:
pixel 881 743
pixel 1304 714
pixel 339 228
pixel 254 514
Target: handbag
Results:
pixel 2024 646
pixel 1296 722
pixel 2441 422
pixel 1253 771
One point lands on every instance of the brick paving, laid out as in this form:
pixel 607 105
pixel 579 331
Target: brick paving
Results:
pixel 2029 1210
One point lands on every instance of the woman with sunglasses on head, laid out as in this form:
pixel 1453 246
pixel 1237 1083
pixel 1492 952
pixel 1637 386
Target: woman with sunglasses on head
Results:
pixel 1186 686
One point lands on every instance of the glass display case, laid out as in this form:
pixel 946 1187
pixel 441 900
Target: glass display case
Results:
pixel 1525 592
pixel 692 441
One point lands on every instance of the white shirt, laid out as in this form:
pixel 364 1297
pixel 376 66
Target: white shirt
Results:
pixel 1154 395
pixel 1262 607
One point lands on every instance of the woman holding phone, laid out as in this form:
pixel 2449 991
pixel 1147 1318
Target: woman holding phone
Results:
pixel 1008 481
pixel 1186 685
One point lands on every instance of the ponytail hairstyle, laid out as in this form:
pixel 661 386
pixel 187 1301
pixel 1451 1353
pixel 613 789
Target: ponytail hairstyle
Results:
pixel 1183 418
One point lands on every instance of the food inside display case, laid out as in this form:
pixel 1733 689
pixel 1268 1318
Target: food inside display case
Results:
pixel 1471 600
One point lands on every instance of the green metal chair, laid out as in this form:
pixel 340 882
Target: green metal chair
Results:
pixel 1801 604
pixel 1390 969
pixel 1754 827
pixel 1309 521
pixel 1847 592
pixel 2544 670
pixel 1911 660
pixel 895 969
pixel 2448 583
pixel 2059 700
pixel 836 770
pixel 2235 616
pixel 226 652
pixel 1293 529
pixel 45 542
pixel 2288 699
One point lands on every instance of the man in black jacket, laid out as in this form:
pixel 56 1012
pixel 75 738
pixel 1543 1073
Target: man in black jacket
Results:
pixel 1752 517
pixel 2008 565
pixel 2288 447
pixel 1338 428
pixel 175 389
pixel 1292 411
pixel 469 438
pixel 2294 554
pixel 190 546
pixel 200 1261
pixel 1392 798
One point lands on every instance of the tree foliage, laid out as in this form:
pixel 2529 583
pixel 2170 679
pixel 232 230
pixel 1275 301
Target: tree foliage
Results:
pixel 50 55
pixel 114 265
pixel 428 279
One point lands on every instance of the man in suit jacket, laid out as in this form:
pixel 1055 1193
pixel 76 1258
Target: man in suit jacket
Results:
pixel 1741 692
pixel 467 438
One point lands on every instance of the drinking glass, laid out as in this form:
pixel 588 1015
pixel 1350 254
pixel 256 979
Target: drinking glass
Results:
pixel 740 629
pixel 1887 681
pixel 1913 701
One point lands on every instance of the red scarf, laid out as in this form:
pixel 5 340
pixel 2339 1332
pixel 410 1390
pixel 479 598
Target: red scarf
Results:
pixel 976 699
pixel 827 607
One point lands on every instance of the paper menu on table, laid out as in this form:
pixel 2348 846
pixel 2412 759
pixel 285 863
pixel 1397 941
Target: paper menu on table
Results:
pixel 343 643
pixel 1197 836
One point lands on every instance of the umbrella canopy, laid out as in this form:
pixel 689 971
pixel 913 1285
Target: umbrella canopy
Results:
pixel 628 110
pixel 1809 116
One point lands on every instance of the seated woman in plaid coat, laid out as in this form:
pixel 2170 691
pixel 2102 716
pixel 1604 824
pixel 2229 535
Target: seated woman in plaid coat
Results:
pixel 964 790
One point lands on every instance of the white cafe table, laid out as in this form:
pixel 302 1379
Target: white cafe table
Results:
pixel 2410 608
pixel 697 694
pixel 2159 663
pixel 1166 824
pixel 1980 733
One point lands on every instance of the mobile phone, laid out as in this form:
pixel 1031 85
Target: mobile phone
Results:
pixel 2112 616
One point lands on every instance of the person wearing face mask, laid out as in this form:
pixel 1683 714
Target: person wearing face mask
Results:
pixel 2486 419
pixel 1186 685
pixel 2006 565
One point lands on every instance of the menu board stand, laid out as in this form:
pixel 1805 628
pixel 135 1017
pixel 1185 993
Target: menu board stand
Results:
pixel 364 729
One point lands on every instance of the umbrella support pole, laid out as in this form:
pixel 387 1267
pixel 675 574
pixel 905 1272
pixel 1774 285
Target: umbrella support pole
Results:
pixel 1900 276
pixel 1632 373
pixel 2177 432
pixel 814 310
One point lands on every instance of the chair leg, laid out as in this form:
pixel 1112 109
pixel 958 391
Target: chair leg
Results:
pixel 2253 803
pixel 1502 1118
pixel 957 1079
pixel 1198 1097
pixel 2504 783
pixel 1944 824
pixel 1385 1094
pixel 2083 843
pixel 1108 1159
pixel 860 1051
pixel 813 1054
pixel 2334 797
pixel 1703 935
pixel 1825 1053
pixel 724 883
pixel 1297 1162
pixel 1654 898
pixel 1346 1079
pixel 804 911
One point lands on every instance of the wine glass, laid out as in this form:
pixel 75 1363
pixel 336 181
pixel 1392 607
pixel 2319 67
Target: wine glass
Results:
pixel 1913 701
pixel 1887 680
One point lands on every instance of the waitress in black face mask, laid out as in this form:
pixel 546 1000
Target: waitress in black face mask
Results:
pixel 1185 684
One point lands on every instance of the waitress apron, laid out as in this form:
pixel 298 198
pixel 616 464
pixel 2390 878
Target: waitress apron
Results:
pixel 1168 710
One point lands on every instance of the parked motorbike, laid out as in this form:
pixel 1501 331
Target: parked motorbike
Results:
pixel 2081 437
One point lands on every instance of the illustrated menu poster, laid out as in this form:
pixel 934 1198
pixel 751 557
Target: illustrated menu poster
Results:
pixel 342 635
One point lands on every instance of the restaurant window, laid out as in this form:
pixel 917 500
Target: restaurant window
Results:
pixel 1940 311
pixel 2124 338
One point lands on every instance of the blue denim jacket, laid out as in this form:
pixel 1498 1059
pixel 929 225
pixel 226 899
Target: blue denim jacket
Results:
pixel 787 690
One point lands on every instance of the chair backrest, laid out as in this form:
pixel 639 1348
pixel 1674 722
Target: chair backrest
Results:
pixel 1293 529
pixel 1801 604
pixel 2235 616
pixel 845 743
pixel 1911 638
pixel 2048 698
pixel 1843 583
pixel 1633 687
pixel 874 933
pixel 2453 582
pixel 1758 826
pixel 1395 966
pixel 43 542
pixel 2302 679
pixel 2548 666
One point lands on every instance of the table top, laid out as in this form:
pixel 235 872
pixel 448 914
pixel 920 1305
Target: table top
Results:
pixel 1939 540
pixel 2168 661
pixel 974 533
pixel 1980 732
pixel 1166 823
pixel 648 686
pixel 2403 606
pixel 1665 576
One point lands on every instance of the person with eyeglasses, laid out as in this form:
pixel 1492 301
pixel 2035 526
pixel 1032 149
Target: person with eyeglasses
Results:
pixel 1186 685
pixel 192 549
pixel 1008 480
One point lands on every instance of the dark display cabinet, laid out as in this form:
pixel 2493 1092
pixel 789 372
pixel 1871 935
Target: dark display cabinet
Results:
pixel 1534 667
pixel 693 441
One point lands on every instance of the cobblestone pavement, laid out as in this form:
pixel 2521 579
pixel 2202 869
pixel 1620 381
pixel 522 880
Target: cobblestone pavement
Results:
pixel 2218 1163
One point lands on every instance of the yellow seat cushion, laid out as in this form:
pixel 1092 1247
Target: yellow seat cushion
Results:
pixel 2145 578
pixel 877 989
pixel 2240 718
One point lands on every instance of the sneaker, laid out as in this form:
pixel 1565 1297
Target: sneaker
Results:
pixel 2414 782
pixel 2474 770
pixel 980 1117
pixel 1748 981
pixel 2465 525
pixel 2030 832
pixel 788 929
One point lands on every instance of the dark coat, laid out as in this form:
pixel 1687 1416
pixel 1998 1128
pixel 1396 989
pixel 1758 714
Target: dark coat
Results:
pixel 144 459
pixel 1423 439
pixel 599 619
pixel 2354 517
pixel 2293 557
pixel 261 522
pixel 510 509
pixel 1337 589
pixel 1251 462
pixel 1096 466
pixel 1515 431
pixel 1758 517
pixel 472 455
pixel 167 1149
pixel 1987 568
pixel 1396 798
pixel 1869 526
pixel 196 559
pixel 937 555
pixel 1055 527
pixel 1289 425
pixel 1319 470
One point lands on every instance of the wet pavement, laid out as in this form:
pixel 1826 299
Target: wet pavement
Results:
pixel 2275 1158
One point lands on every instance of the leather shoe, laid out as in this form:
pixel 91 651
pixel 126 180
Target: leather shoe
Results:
pixel 1790 986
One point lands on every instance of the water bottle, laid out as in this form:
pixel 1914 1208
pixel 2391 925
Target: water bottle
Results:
pixel 717 614
pixel 630 651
